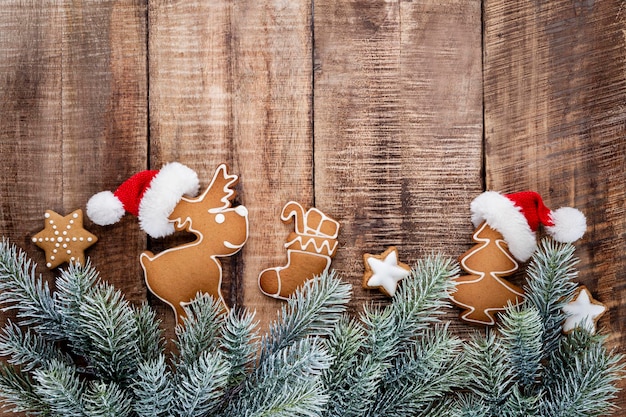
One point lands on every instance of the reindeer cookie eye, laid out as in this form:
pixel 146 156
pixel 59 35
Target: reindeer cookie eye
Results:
pixel 219 218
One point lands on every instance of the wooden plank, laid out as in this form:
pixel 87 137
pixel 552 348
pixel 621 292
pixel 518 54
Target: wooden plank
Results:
pixel 73 120
pixel 554 99
pixel 231 82
pixel 398 127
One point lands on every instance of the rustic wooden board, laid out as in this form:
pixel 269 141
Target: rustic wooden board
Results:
pixel 554 99
pixel 231 82
pixel 73 121
pixel 398 128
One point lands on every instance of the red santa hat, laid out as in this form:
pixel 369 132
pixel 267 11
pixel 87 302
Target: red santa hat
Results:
pixel 150 195
pixel 518 216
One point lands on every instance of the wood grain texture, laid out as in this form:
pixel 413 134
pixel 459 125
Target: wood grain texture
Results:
pixel 73 120
pixel 231 82
pixel 555 122
pixel 398 127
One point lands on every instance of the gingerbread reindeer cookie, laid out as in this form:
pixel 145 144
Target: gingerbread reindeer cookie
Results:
pixel 178 274
pixel 309 251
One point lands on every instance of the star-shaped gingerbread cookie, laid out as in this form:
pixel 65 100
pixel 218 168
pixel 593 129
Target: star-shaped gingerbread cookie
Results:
pixel 582 311
pixel 384 272
pixel 63 238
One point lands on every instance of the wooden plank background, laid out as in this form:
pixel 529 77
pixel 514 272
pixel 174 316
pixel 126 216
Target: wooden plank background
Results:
pixel 390 116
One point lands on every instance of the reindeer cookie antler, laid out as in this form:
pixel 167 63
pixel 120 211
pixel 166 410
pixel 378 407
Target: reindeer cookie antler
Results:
pixel 178 274
pixel 309 251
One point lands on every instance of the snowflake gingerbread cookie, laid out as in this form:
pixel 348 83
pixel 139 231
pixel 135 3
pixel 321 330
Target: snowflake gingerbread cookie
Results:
pixel 63 238
pixel 384 272
pixel 583 311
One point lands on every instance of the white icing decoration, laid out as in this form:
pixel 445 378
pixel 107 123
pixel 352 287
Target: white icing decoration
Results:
pixel 582 312
pixel 49 265
pixel 46 215
pixel 219 218
pixel 75 215
pixel 386 273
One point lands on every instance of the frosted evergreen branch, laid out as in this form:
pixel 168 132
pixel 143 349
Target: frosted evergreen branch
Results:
pixel 312 311
pixel 199 330
pixel 521 329
pixel 200 385
pixel 30 295
pixel 108 322
pixel 352 380
pixel 17 392
pixel 381 338
pixel 490 377
pixel 239 343
pixel 422 296
pixel 288 381
pixel 550 287
pixel 106 400
pixel 428 371
pixel 27 349
pixel 581 377
pixel 60 388
pixel 150 341
pixel 153 389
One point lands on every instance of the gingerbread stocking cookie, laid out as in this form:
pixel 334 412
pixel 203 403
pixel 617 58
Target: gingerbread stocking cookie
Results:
pixel 309 251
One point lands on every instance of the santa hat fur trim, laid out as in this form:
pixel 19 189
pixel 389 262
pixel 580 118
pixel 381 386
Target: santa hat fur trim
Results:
pixel 166 189
pixel 502 215
pixel 150 195
pixel 517 216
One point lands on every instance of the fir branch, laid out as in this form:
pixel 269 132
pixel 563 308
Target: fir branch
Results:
pixel 426 373
pixel 199 329
pixel 27 349
pixel 60 388
pixel 550 287
pixel 423 296
pixel 312 311
pixel 520 404
pixel 489 374
pixel 352 380
pixel 108 323
pixel 201 385
pixel 153 389
pixel 521 329
pixel 381 338
pixel 466 405
pixel 21 290
pixel 287 383
pixel 580 377
pixel 150 341
pixel 18 394
pixel 106 400
pixel 239 343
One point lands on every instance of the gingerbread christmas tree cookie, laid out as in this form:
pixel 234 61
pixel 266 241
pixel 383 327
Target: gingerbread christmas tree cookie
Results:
pixel 506 226
pixel 63 238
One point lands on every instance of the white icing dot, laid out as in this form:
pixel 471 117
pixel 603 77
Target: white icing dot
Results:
pixel 81 239
pixel 34 239
pixel 41 240
pixel 54 251
pixel 59 239
pixel 67 239
pixel 69 251
pixel 52 257
pixel 56 232
pixel 219 218
pixel 49 265
pixel 89 239
pixel 75 215
pixel 54 226
pixel 64 245
pixel 65 233
pixel 72 258
pixel 56 245
pixel 46 215
pixel 74 239
pixel 71 222
pixel 47 239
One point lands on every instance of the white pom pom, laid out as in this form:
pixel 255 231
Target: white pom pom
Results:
pixel 570 225
pixel 105 208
